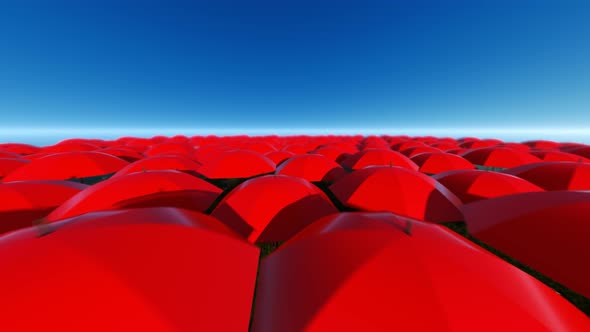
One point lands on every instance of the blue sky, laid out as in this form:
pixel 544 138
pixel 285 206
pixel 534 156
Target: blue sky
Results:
pixel 286 65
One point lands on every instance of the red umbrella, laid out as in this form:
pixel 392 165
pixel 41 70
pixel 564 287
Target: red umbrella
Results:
pixel 547 231
pixel 9 165
pixel 278 157
pixel 438 162
pixel 23 202
pixel 499 157
pixel 541 144
pixel 70 147
pixel 582 151
pixel 378 157
pixel 68 165
pixel 515 146
pixel 312 167
pixel 558 175
pixel 4 154
pixel 475 144
pixel 124 153
pixel 114 192
pixel 159 163
pixel 406 145
pixel 556 155
pixel 381 272
pixel 410 152
pixel 135 270
pixel 475 185
pixel 258 146
pixel 272 208
pixel 19 148
pixel 236 164
pixel 169 147
pixel 398 190
pixel 331 152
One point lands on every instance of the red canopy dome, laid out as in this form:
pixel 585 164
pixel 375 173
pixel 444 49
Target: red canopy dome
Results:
pixel 279 156
pixel 475 185
pixel 378 157
pixel 547 231
pixel 558 175
pixel 159 163
pixel 68 165
pixel 23 202
pixel 112 193
pixel 438 162
pixel 70 147
pixel 135 270
pixel 19 148
pixel 499 157
pixel 9 165
pixel 381 272
pixel 556 155
pixel 236 164
pixel 312 167
pixel 398 190
pixel 272 208
pixel 169 147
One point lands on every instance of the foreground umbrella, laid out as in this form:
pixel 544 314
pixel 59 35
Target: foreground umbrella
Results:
pixel 555 175
pixel 23 202
pixel 68 165
pixel 398 190
pixel 381 272
pixel 475 185
pixel 312 167
pixel 272 208
pixel 547 231
pixel 133 270
pixel 236 164
pixel 115 192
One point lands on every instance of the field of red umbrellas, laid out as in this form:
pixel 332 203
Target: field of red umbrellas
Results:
pixel 297 233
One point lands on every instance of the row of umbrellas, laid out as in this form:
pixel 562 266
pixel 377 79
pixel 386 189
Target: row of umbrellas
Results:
pixel 357 217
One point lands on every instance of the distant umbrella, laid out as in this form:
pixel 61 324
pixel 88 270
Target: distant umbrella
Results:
pixel 312 167
pixel 438 162
pixel 236 164
pixel 557 175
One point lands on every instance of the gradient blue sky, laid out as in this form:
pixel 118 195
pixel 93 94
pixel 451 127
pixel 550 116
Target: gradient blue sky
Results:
pixel 280 65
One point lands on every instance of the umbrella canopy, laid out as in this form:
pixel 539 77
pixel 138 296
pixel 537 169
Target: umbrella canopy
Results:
pixel 312 167
pixel 169 147
pixel 398 190
pixel 557 175
pixel 438 162
pixel 582 151
pixel 556 155
pixel 541 144
pixel 159 162
pixel 475 185
pixel 9 155
pixel 236 164
pixel 114 192
pixel 378 157
pixel 70 147
pixel 67 165
pixel 258 146
pixel 477 143
pixel 331 152
pixel 19 148
pixel 278 157
pixel 382 272
pixel 410 152
pixel 124 153
pixel 23 202
pixel 547 231
pixel 9 165
pixel 499 157
pixel 400 146
pixel 272 208
pixel 135 270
